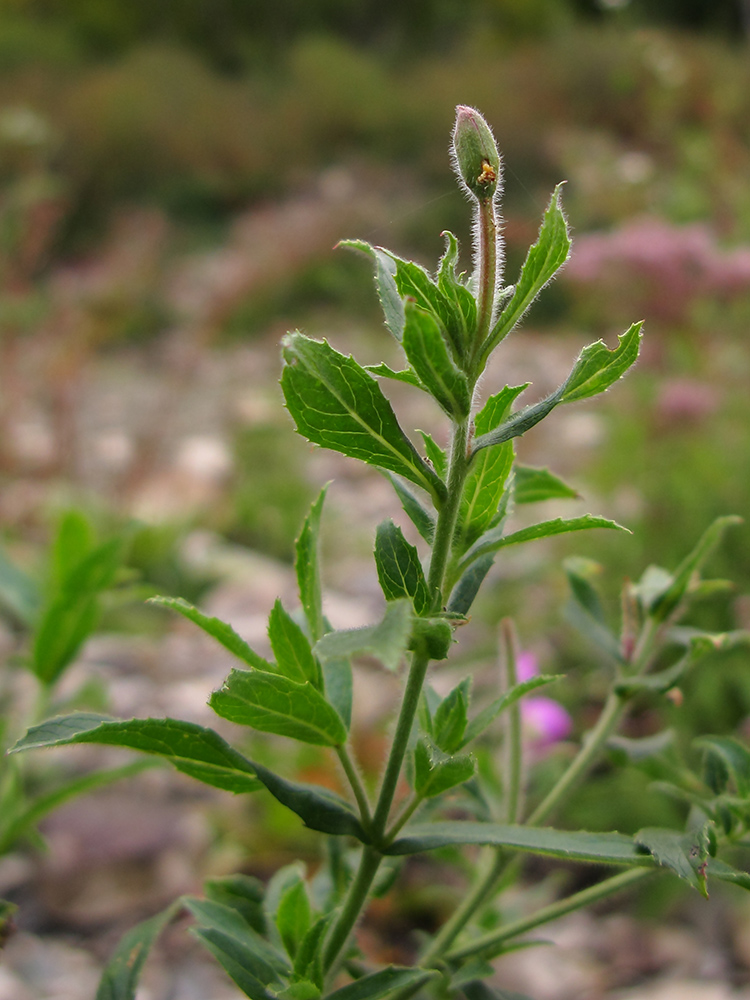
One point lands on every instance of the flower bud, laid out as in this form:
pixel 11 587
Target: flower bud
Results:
pixel 474 152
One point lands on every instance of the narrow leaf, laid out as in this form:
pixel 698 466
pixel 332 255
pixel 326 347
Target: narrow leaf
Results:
pixel 19 593
pixel 725 873
pixel 407 375
pixel 387 641
pixel 385 282
pixel 399 569
pixel 435 772
pixel 337 404
pixel 217 629
pixel 291 648
pixel 605 848
pixel 122 972
pixel 597 368
pixel 294 916
pixel 257 957
pixel 494 540
pixel 435 454
pixel 243 893
pixel 377 984
pixel 307 568
pixel 520 422
pixel 234 957
pixel 542 262
pixel 428 355
pixel 273 703
pixel 186 745
pixel 488 715
pixel 450 718
pixel 536 485
pixel 422 519
pixel 664 605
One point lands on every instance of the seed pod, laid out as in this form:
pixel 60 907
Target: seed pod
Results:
pixel 474 153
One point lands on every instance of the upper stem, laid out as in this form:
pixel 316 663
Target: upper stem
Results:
pixel 486 234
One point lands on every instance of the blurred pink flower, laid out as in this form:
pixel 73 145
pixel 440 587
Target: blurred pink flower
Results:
pixel 545 721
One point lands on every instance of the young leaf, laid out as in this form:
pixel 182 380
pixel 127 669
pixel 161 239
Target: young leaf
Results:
pixel 663 605
pixel 257 957
pixel 435 454
pixel 467 588
pixel 319 808
pixel 489 470
pixel 731 758
pixel 337 404
pixel 307 568
pixel 235 958
pixel 535 485
pixel 338 686
pixel 519 422
pixel 604 848
pixel 543 260
pixel 414 283
pixel 242 893
pixel 428 355
pixel 435 772
pixel 597 368
pixel 73 542
pixel 399 569
pixel 291 648
pixel 378 984
pixel 465 305
pixel 217 629
pixel 408 375
pixel 121 974
pixel 294 916
pixel 191 748
pixel 387 641
pixel 725 873
pixel 422 519
pixel 385 282
pixel 450 718
pixel 273 703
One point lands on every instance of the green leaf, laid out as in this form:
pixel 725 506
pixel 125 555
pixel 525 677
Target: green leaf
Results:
pixel 294 916
pixel 385 282
pixel 307 568
pixel 543 260
pixel 678 851
pixel 467 588
pixel 604 848
pixel 243 893
pixel 413 282
pixel 253 954
pixel 291 648
pixel 450 718
pixel 435 454
pixel 14 827
pixel 481 991
pixel 520 422
pixel 597 368
pixel 377 984
pixel 435 772
pixel 337 404
pixel 408 375
pixel 387 641
pixel 536 485
pixel 488 715
pixel 463 302
pixel 658 683
pixel 725 873
pixel 585 612
pixel 308 962
pixel 19 593
pixel 428 355
pixel 422 519
pixel 399 568
pixel 731 760
pixel 489 470
pixel 191 748
pixel 217 629
pixel 338 685
pixel 494 540
pixel 273 703
pixel 73 542
pixel 121 974
pixel 663 606
pixel 319 808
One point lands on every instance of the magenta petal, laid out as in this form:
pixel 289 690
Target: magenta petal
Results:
pixel 545 720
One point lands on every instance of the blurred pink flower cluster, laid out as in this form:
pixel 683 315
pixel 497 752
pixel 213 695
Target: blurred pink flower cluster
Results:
pixel 669 266
pixel 545 721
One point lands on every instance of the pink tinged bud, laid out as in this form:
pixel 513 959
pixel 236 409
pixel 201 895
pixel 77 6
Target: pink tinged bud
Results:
pixel 475 156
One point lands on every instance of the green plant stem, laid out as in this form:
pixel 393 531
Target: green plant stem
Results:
pixel 371 857
pixel 404 816
pixel 356 785
pixel 355 900
pixel 513 743
pixel 495 939
pixel 486 235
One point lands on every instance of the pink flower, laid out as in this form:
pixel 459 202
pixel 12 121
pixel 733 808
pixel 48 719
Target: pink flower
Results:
pixel 545 721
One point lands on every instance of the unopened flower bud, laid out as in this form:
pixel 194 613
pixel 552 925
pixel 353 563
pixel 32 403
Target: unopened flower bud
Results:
pixel 476 159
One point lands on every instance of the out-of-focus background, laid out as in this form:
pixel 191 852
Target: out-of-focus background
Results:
pixel 173 179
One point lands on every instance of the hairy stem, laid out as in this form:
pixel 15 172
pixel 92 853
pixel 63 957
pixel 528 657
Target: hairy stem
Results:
pixel 486 236
pixel 356 785
pixel 355 900
pixel 490 944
